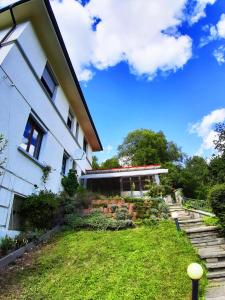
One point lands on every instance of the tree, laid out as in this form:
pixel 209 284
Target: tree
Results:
pixel 95 164
pixel 111 163
pixel 173 177
pixel 144 146
pixel 220 142
pixel 195 178
pixel 217 169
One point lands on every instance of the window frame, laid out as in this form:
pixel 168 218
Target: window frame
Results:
pixel 70 118
pixel 48 69
pixel 77 130
pixel 85 145
pixel 64 163
pixel 34 126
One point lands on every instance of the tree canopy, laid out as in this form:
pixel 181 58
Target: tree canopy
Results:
pixel 144 146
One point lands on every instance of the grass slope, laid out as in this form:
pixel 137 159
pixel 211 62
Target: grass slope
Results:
pixel 142 263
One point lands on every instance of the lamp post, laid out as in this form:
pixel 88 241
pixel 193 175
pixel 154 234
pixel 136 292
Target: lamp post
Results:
pixel 195 272
pixel 175 217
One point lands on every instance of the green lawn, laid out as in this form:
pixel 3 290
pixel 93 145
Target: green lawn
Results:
pixel 141 263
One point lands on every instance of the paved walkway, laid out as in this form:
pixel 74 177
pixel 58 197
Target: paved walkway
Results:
pixel 211 248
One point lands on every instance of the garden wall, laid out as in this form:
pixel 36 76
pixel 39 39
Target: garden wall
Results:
pixel 109 207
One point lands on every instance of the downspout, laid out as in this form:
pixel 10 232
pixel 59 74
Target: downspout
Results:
pixel 11 29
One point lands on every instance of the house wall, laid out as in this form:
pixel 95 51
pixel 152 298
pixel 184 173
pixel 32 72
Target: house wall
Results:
pixel 22 93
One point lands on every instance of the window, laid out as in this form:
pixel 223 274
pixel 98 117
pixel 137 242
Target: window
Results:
pixel 85 145
pixel 64 162
pixel 49 81
pixel 32 138
pixel 70 120
pixel 77 130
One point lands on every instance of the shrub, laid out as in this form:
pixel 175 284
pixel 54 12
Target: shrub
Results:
pixel 96 221
pixel 70 183
pixel 72 204
pixel 216 199
pixel 122 213
pixel 6 244
pixel 211 221
pixel 155 190
pixel 39 210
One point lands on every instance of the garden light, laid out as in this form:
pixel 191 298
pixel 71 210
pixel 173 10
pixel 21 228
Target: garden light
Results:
pixel 195 272
pixel 174 216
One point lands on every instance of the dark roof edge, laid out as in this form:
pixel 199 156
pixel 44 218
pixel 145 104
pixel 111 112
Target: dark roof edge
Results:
pixel 65 52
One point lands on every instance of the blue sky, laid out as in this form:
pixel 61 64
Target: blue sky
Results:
pixel 173 101
pixel 154 64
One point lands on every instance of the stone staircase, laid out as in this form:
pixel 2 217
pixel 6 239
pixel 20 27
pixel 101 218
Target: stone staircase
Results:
pixel 211 249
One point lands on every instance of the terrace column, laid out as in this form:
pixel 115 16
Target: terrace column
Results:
pixel 121 185
pixel 157 181
pixel 140 186
pixel 131 192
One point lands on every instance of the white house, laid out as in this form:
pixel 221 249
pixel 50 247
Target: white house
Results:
pixel 43 113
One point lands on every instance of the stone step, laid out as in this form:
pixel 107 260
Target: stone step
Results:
pixel 213 242
pixel 216 274
pixel 190 226
pixel 202 229
pixel 206 239
pixel 215 293
pixel 191 221
pixel 217 265
pixel 208 254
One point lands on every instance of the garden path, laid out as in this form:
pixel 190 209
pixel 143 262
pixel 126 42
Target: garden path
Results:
pixel 211 248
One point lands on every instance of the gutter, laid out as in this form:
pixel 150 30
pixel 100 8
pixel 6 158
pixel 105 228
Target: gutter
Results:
pixel 65 52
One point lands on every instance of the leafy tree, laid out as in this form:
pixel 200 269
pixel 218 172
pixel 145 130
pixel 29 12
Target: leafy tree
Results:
pixel 70 183
pixel 111 163
pixel 95 164
pixel 220 142
pixel 217 169
pixel 194 178
pixel 173 177
pixel 144 146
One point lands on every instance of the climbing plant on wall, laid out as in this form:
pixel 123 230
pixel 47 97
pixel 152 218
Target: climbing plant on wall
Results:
pixel 3 144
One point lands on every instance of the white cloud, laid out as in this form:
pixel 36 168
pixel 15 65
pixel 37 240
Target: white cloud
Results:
pixel 219 55
pixel 108 149
pixel 199 10
pixel 217 31
pixel 221 26
pixel 142 33
pixel 205 129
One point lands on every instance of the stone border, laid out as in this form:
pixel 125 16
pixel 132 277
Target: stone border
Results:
pixel 11 257
pixel 199 213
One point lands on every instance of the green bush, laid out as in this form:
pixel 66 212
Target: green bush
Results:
pixel 6 244
pixel 70 183
pixel 216 199
pixel 39 210
pixel 122 213
pixel 211 221
pixel 96 221
pixel 72 204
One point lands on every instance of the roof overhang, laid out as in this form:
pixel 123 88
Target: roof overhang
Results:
pixel 125 174
pixel 40 14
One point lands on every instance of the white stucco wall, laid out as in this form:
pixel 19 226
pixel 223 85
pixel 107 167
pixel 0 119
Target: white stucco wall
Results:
pixel 20 93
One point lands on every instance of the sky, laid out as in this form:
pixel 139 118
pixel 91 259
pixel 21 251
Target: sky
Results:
pixel 153 64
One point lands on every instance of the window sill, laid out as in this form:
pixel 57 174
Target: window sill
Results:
pixel 25 153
